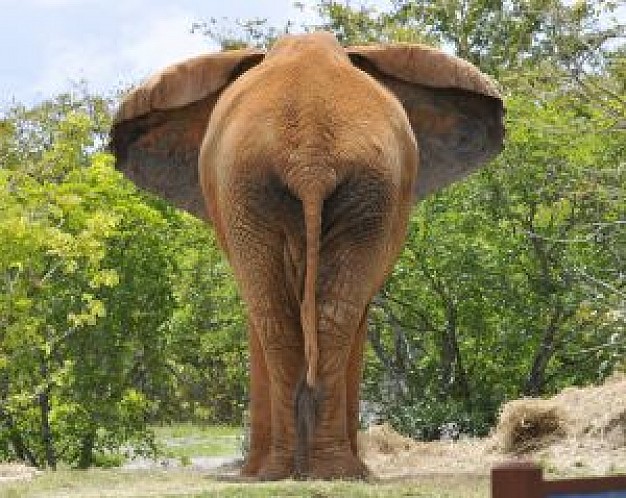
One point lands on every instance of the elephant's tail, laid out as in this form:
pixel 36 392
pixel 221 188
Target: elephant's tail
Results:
pixel 311 183
pixel 307 394
pixel 312 208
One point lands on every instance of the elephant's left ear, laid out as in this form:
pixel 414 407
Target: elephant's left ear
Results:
pixel 159 127
pixel 455 110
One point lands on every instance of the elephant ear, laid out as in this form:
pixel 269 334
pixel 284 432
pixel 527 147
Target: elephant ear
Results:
pixel 159 126
pixel 456 111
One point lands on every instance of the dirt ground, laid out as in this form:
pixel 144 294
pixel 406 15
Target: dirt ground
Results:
pixel 581 431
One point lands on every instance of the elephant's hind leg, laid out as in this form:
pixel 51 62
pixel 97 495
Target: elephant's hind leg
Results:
pixel 353 262
pixel 256 241
pixel 354 371
pixel 260 408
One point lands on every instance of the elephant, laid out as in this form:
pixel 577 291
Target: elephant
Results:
pixel 307 160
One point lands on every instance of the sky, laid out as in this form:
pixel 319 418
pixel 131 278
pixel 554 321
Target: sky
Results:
pixel 48 45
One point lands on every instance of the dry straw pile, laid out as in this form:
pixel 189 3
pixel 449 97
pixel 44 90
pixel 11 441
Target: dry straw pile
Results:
pixel 383 439
pixel 593 415
pixel 579 431
pixel 530 424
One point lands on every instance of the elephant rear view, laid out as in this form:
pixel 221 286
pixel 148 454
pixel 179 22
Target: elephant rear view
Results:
pixel 307 161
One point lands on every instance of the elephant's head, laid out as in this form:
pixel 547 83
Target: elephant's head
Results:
pixel 456 113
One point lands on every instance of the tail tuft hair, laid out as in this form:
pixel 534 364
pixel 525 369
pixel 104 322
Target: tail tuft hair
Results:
pixel 305 411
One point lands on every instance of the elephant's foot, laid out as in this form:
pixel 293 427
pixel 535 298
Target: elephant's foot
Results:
pixel 336 463
pixel 253 463
pixel 278 465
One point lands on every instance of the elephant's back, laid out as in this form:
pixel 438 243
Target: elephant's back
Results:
pixel 317 112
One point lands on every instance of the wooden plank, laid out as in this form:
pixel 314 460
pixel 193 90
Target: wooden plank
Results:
pixel 586 485
pixel 516 480
pixel 523 479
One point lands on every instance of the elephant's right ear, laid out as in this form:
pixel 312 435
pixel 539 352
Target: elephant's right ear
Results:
pixel 456 111
pixel 159 126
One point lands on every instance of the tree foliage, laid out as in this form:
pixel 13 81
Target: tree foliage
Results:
pixel 98 334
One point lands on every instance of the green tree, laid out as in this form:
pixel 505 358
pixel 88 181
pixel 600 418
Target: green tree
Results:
pixel 208 328
pixel 496 36
pixel 82 253
pixel 116 310
pixel 507 285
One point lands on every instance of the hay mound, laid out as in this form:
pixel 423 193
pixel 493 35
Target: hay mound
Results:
pixel 530 424
pixel 383 439
pixel 598 412
pixel 390 455
pixel 577 415
pixel 579 432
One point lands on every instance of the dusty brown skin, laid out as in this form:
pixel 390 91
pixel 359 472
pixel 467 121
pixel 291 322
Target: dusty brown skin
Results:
pixel 305 159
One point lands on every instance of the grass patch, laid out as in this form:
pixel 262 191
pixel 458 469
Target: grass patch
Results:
pixel 201 448
pixel 184 483
pixel 188 441
pixel 175 431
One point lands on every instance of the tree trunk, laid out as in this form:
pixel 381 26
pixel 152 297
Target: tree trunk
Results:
pixel 385 359
pixel 44 406
pixel 452 365
pixel 453 372
pixel 536 378
pixel 398 363
pixel 86 450
pixel 21 450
